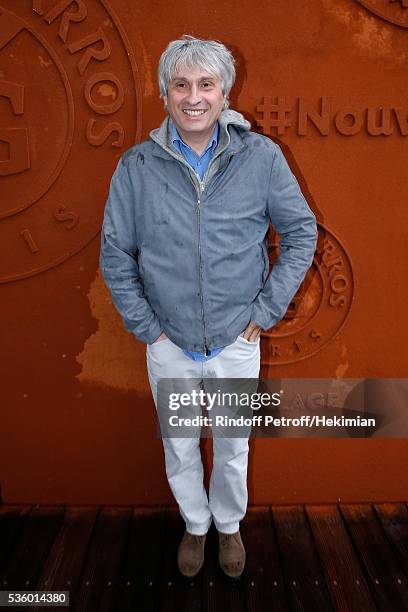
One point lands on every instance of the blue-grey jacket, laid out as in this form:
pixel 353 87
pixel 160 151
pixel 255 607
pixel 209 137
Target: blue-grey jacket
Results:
pixel 190 258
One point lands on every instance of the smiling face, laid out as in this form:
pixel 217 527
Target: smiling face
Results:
pixel 194 102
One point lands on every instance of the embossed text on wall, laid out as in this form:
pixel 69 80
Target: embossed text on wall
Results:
pixel 70 105
pixel 279 114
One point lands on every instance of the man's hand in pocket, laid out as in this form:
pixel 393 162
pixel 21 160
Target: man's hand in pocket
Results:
pixel 252 332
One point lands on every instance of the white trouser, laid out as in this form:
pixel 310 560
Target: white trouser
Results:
pixel 228 494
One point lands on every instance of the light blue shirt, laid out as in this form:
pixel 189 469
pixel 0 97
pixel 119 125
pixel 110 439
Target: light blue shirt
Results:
pixel 199 163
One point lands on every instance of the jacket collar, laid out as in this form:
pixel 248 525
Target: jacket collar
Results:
pixel 162 136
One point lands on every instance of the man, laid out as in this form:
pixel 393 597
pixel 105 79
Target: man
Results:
pixel 184 252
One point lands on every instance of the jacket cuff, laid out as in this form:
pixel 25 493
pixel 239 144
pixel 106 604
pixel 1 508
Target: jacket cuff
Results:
pixel 151 334
pixel 262 318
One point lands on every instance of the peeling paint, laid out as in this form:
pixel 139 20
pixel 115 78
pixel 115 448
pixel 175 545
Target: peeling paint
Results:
pixel 111 356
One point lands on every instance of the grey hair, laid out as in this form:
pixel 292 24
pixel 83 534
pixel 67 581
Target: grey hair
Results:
pixel 189 52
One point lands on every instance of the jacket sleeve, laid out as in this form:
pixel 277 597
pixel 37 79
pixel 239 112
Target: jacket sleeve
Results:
pixel 296 225
pixel 118 261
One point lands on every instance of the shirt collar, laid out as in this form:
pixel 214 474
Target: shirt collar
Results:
pixel 211 143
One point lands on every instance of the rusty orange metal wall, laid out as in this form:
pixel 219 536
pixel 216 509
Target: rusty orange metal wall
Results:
pixel 326 79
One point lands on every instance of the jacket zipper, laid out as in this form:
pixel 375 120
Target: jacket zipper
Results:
pixel 206 351
pixel 199 192
pixel 202 187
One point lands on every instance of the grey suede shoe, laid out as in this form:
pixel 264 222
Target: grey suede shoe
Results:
pixel 190 554
pixel 232 554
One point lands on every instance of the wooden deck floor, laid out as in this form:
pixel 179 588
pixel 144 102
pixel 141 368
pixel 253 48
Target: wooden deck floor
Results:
pixel 351 557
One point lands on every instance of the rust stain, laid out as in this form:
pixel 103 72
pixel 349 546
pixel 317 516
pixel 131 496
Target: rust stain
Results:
pixel 374 37
pixel 44 62
pixel 111 356
pixel 368 33
pixel 344 365
pixel 107 90
pixel 147 71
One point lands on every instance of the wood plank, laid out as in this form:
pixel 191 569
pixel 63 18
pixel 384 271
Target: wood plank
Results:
pixel 66 559
pixel 219 591
pixel 394 519
pixel 263 579
pixel 131 559
pixel 303 574
pixel 32 548
pixel 345 580
pixel 139 582
pixel 388 583
pixel 101 573
pixel 12 521
pixel 178 593
pixel 211 571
